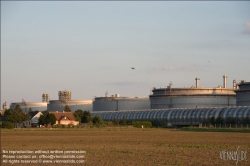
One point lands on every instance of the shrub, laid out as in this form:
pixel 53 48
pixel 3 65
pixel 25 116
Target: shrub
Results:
pixel 115 121
pixel 109 123
pixel 8 125
pixel 145 124
pixel 97 120
pixel 157 123
pixel 218 120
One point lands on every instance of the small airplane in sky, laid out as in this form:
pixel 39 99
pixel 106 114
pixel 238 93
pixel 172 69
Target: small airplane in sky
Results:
pixel 132 68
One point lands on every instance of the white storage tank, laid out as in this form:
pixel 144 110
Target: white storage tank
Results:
pixel 193 97
pixel 117 103
pixel 58 105
pixel 26 106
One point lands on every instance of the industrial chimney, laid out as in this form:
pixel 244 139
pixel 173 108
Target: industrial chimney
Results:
pixel 197 82
pixel 225 81
pixel 234 84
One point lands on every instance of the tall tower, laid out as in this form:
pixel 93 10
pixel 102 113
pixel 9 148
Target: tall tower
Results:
pixel 45 97
pixel 64 95
pixel 234 84
pixel 224 81
pixel 4 106
pixel 197 80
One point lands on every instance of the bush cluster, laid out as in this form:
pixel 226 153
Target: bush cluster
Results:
pixel 7 125
pixel 145 124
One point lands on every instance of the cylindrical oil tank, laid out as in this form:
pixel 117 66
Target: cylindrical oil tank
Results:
pixel 58 105
pixel 120 103
pixel 192 97
pixel 26 106
pixel 243 94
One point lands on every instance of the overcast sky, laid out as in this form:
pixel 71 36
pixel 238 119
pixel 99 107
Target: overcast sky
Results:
pixel 89 47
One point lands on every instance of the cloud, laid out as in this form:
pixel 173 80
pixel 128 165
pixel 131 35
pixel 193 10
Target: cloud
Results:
pixel 247 26
pixel 193 67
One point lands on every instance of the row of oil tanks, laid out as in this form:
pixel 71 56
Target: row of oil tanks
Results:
pixel 64 98
pixel 162 98
pixel 193 97
pixel 191 106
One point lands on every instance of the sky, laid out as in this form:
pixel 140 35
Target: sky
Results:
pixel 88 48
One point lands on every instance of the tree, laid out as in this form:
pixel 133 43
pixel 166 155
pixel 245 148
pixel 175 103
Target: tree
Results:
pixel 30 110
pixel 67 109
pixel 45 112
pixel 77 118
pixel 24 116
pixel 79 112
pixel 52 119
pixel 18 108
pixel 16 115
pixel 41 120
pixel 86 118
pixel 44 119
pixel 97 120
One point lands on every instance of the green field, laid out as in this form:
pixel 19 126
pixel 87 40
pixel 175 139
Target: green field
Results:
pixel 131 146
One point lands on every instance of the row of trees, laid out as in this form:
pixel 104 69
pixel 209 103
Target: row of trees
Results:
pixel 16 115
pixel 46 118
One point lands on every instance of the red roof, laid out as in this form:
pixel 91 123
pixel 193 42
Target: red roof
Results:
pixel 62 115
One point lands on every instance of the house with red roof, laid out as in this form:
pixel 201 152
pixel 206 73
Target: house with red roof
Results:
pixel 65 118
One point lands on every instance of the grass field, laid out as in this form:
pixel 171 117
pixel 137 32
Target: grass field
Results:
pixel 132 146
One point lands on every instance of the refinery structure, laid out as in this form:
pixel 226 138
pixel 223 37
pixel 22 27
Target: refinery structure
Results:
pixel 243 94
pixel 175 106
pixel 194 97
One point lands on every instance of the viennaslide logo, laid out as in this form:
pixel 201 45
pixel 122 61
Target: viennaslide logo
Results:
pixel 234 155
